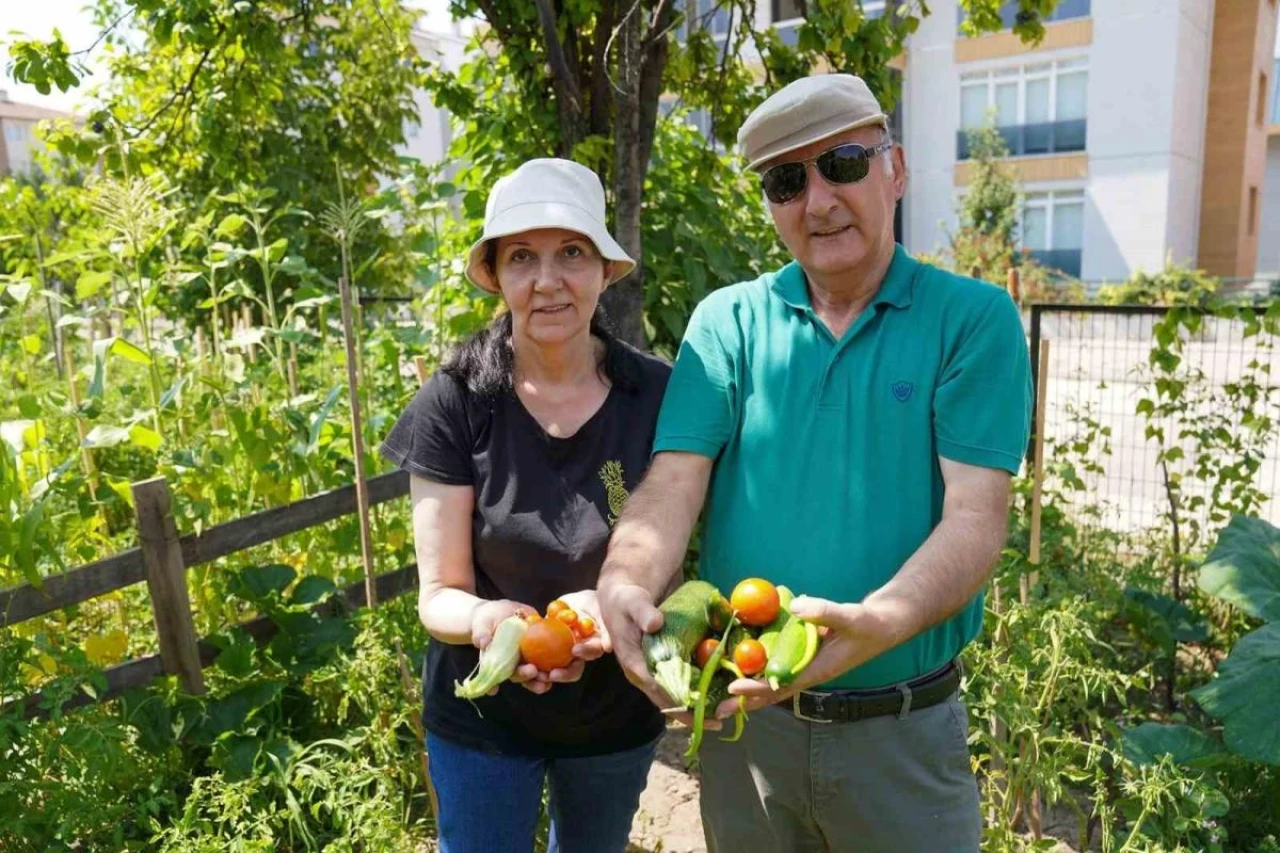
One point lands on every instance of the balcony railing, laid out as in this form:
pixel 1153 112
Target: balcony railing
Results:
pixel 1047 138
pixel 1064 260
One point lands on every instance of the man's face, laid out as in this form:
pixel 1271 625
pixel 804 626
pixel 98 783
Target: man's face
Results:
pixel 835 228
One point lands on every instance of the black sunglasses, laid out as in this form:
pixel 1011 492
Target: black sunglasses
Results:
pixel 843 164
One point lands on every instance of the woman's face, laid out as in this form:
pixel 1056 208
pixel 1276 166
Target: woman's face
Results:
pixel 551 280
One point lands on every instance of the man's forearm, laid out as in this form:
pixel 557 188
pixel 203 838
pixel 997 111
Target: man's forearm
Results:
pixel 650 540
pixel 942 576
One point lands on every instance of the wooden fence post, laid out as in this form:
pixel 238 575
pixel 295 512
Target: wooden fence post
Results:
pixel 167 583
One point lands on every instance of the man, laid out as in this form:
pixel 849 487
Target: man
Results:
pixel 853 421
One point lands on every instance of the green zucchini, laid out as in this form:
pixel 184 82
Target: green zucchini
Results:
pixel 795 647
pixel 669 652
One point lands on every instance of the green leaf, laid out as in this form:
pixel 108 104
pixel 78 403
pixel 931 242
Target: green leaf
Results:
pixel 311 590
pixel 236 654
pixel 106 436
pixel 1177 621
pixel 323 414
pixel 90 283
pixel 146 438
pixel 231 712
pixel 257 582
pixel 1246 694
pixel 236 756
pixel 151 716
pixel 129 352
pixel 31 343
pixel 29 406
pixel 1244 567
pixel 1188 746
pixel 231 225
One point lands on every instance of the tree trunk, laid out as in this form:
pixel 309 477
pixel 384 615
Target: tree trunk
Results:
pixel 624 301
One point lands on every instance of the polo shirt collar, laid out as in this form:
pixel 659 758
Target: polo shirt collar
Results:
pixel 897 288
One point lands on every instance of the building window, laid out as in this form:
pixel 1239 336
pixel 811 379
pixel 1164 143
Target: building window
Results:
pixel 1053 229
pixel 1065 10
pixel 712 15
pixel 786 17
pixel 1038 109
pixel 1274 94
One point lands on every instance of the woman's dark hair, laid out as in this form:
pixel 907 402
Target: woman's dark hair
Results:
pixel 484 361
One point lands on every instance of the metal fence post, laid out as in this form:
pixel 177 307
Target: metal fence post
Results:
pixel 167 583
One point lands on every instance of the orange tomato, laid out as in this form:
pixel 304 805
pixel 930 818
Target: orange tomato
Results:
pixel 756 601
pixel 750 657
pixel 548 645
pixel 704 651
pixel 586 627
pixel 568 617
pixel 555 607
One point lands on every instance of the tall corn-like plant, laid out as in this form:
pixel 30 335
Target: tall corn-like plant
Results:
pixel 136 217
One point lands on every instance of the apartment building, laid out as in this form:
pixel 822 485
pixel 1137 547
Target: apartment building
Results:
pixel 1138 130
pixel 18 142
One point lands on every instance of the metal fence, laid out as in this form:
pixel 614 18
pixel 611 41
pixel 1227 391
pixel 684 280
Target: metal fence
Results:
pixel 1099 370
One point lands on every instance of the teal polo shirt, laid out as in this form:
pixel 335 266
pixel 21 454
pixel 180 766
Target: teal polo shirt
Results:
pixel 826 475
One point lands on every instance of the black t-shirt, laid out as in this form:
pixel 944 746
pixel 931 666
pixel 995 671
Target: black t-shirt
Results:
pixel 539 530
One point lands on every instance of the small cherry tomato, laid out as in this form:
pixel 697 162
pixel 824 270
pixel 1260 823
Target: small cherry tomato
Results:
pixel 555 607
pixel 756 601
pixel 568 617
pixel 704 651
pixel 586 627
pixel 750 657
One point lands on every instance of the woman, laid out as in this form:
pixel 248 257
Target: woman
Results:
pixel 505 446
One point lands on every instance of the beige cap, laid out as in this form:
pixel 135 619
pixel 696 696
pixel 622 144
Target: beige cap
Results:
pixel 803 112
pixel 546 193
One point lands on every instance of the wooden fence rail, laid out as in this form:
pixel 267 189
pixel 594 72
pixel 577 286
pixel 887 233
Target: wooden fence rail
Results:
pixel 162 560
pixel 18 604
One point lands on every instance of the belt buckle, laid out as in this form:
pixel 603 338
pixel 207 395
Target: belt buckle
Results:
pixel 795 710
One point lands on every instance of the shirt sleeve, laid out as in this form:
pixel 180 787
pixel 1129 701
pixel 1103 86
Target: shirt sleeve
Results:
pixel 982 405
pixel 700 406
pixel 432 437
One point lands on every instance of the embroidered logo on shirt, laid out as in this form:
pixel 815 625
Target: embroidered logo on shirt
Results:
pixel 902 391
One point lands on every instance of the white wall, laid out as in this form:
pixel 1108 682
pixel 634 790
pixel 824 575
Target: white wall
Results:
pixel 931 99
pixel 1191 106
pixel 1269 225
pixel 429 140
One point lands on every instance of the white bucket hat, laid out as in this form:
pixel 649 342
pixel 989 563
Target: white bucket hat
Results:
pixel 546 193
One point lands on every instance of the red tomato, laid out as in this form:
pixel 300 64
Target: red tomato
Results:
pixel 704 651
pixel 756 601
pixel 750 657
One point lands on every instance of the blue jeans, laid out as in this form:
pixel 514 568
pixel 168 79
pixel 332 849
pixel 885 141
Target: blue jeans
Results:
pixel 489 803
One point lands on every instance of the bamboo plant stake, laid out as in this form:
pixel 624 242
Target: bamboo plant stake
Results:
pixel 357 438
pixel 1037 481
pixel 420 367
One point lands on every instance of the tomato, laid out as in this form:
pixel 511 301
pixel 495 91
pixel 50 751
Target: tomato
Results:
pixel 555 607
pixel 756 601
pixel 586 627
pixel 750 657
pixel 704 651
pixel 568 617
pixel 548 645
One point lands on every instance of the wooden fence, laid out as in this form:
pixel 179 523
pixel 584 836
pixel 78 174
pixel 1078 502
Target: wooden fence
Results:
pixel 162 560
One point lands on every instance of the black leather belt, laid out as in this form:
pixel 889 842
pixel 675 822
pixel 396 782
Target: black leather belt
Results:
pixel 849 706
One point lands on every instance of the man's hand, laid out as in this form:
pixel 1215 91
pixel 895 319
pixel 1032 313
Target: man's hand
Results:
pixel 852 635
pixel 629 614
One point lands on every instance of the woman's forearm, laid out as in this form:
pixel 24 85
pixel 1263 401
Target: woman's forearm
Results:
pixel 447 612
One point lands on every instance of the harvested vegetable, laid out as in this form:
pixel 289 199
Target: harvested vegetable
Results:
pixel 669 652
pixel 586 627
pixel 498 660
pixel 795 648
pixel 548 645
pixel 702 694
pixel 749 656
pixel 755 601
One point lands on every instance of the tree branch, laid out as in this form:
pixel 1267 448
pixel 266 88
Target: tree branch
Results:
pixel 598 123
pixel 565 78
pixel 181 93
pixel 106 32
pixel 653 65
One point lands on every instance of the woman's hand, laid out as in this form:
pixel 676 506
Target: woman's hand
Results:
pixel 583 603
pixel 485 619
